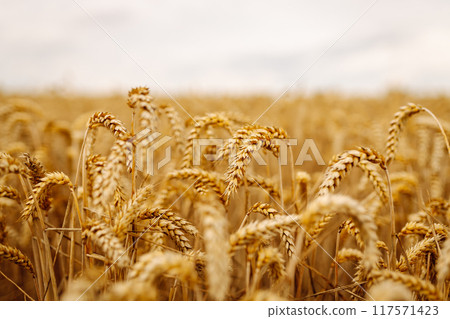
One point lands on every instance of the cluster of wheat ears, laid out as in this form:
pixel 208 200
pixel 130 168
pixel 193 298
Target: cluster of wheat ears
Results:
pixel 224 229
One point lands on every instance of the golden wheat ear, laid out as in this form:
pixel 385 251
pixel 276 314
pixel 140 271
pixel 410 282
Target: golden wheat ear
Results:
pixel 420 286
pixel 217 258
pixel 16 256
pixel 104 238
pixel 261 138
pixel 39 198
pixel 398 123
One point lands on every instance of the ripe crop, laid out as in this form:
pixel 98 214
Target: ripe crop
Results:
pixel 221 216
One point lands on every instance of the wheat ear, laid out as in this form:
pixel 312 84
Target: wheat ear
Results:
pixel 16 256
pixel 413 254
pixel 215 229
pixel 9 192
pixel 260 231
pixel 169 215
pixel 443 264
pixel 10 165
pixel 141 99
pixel 396 127
pixel 168 224
pixel 349 254
pixel 204 122
pixel 175 122
pixel 41 190
pixel 268 211
pixel 202 180
pixel 105 184
pixel 103 236
pixel 36 170
pixel 344 162
pixel 422 287
pixel 273 261
pixel 109 121
pixel 260 138
pixel 151 266
pixel 344 205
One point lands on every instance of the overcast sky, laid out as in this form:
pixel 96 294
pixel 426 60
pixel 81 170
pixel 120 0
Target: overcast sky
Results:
pixel 225 46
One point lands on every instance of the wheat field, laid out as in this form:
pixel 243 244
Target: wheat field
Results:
pixel 362 215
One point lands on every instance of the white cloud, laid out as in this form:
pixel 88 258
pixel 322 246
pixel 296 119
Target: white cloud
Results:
pixel 212 45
